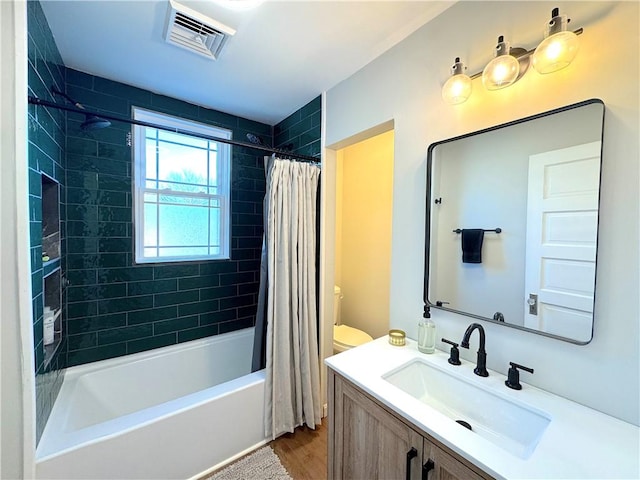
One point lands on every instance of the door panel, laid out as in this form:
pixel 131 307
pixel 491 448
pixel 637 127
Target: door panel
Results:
pixel 371 443
pixel 563 321
pixel 445 467
pixel 562 228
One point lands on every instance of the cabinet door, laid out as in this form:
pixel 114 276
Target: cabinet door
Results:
pixel 439 465
pixel 370 443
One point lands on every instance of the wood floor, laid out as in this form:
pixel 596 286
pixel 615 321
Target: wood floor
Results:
pixel 304 452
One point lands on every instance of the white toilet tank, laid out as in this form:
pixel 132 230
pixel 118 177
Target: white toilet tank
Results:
pixel 345 337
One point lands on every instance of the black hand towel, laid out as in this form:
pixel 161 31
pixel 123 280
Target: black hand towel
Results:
pixel 472 245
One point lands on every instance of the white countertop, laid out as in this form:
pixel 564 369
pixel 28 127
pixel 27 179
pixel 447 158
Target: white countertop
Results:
pixel 578 443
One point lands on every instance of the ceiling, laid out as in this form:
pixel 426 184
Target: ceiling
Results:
pixel 284 53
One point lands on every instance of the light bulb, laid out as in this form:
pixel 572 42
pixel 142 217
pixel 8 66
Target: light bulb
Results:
pixel 457 88
pixel 503 70
pixel 559 47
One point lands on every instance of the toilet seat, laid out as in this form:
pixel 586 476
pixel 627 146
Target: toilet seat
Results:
pixel 346 337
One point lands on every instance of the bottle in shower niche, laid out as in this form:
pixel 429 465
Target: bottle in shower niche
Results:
pixel 47 325
pixel 427 336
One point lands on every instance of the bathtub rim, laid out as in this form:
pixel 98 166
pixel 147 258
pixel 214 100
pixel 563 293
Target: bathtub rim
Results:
pixel 186 402
pixel 78 370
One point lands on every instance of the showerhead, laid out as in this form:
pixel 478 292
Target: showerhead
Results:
pixel 94 123
pixel 254 139
pixel 91 122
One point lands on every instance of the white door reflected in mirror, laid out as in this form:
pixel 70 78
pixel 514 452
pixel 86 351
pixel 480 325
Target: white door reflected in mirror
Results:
pixel 562 229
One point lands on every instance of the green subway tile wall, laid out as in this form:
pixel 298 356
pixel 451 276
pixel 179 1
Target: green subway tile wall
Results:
pixel 116 307
pixel 300 131
pixel 46 135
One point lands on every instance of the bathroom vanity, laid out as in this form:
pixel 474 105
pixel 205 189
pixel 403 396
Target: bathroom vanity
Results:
pixel 369 440
pixel 394 412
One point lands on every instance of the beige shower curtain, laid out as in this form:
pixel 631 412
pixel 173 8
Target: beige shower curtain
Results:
pixel 292 389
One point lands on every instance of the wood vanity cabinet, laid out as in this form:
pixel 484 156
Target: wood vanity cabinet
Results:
pixel 369 441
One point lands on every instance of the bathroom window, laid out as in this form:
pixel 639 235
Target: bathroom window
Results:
pixel 181 190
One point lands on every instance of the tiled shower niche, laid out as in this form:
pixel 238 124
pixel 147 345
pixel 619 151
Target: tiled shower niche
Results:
pixel 52 279
pixel 50 220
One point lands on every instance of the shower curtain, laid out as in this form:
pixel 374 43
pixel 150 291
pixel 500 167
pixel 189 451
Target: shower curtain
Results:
pixel 290 351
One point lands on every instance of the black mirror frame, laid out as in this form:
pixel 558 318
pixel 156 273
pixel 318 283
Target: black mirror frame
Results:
pixel 427 236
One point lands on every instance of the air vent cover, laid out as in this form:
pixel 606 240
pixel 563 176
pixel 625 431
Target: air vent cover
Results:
pixel 193 31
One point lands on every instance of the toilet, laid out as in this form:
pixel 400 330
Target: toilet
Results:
pixel 344 336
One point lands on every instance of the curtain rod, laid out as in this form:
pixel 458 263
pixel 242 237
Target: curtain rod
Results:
pixel 45 103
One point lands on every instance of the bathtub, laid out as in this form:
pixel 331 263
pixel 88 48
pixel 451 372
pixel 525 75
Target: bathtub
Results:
pixel 173 412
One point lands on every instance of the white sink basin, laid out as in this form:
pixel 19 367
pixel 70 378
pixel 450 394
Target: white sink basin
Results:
pixel 514 427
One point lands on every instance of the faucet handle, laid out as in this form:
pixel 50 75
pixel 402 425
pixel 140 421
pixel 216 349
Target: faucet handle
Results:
pixel 454 354
pixel 513 376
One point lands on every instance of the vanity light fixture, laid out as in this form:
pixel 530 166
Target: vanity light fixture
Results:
pixel 458 88
pixel 503 70
pixel 556 51
pixel 559 47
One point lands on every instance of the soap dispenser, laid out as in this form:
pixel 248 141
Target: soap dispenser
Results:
pixel 426 335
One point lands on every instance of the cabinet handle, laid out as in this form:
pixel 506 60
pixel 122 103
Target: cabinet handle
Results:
pixel 426 468
pixel 411 454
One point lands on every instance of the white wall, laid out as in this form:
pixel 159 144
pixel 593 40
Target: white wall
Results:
pixel 17 388
pixel 327 239
pixel 404 85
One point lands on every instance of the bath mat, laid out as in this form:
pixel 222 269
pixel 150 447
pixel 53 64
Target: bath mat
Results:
pixel 262 464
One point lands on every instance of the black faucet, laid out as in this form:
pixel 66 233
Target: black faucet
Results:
pixel 481 367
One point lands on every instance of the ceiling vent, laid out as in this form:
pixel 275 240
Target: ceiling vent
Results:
pixel 193 31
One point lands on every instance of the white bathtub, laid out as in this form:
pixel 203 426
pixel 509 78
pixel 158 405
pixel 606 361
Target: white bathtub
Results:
pixel 173 412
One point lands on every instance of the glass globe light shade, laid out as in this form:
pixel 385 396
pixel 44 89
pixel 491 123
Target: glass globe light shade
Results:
pixel 559 47
pixel 457 89
pixel 500 72
pixel 555 52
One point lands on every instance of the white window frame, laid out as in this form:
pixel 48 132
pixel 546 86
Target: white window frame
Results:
pixel 140 188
